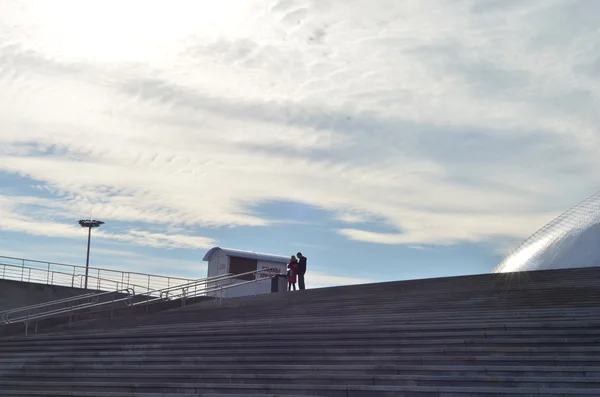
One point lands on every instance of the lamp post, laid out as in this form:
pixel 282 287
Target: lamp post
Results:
pixel 89 223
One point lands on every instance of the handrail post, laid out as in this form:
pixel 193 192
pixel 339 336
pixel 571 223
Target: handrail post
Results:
pixel 48 274
pixel 22 270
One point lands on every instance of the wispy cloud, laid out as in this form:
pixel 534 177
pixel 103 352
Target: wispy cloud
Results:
pixel 18 216
pixel 449 122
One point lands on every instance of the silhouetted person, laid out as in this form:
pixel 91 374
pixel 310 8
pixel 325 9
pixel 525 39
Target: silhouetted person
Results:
pixel 301 270
pixel 292 273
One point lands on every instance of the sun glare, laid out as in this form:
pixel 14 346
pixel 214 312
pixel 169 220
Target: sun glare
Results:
pixel 131 31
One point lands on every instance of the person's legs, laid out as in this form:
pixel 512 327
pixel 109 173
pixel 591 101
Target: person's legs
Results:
pixel 301 281
pixel 294 285
pixel 289 286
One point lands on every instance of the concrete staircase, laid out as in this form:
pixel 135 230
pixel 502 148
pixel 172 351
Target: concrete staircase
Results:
pixel 534 333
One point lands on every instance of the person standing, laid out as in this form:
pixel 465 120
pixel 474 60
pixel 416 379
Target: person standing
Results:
pixel 301 270
pixel 292 273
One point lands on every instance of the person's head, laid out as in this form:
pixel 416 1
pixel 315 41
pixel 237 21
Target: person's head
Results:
pixel 293 259
pixel 299 255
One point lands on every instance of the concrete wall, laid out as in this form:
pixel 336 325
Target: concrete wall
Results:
pixel 15 294
pixel 261 286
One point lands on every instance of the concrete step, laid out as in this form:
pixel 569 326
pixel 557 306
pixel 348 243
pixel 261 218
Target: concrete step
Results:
pixel 490 304
pixel 467 312
pixel 37 393
pixel 575 296
pixel 538 334
pixel 259 334
pixel 283 318
pixel 297 350
pixel 417 360
pixel 314 378
pixel 416 310
pixel 500 338
pixel 283 342
pixel 319 329
pixel 75 387
pixel 356 318
pixel 373 369
pixel 315 332
pixel 363 323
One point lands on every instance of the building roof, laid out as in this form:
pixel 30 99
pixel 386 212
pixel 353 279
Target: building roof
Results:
pixel 245 254
pixel 570 240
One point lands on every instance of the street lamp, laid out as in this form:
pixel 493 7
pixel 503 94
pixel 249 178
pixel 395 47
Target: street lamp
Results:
pixel 89 223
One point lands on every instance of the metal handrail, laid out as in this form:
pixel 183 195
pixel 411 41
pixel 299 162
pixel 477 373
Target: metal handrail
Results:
pixel 52 272
pixel 64 300
pixel 129 285
pixel 116 276
pixel 221 288
pixel 184 288
pixel 94 301
pixel 164 292
pixel 70 276
pixel 90 268
pixel 226 281
pixel 165 295
pixel 116 285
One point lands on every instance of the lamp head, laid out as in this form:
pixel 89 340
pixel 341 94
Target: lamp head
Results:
pixel 90 223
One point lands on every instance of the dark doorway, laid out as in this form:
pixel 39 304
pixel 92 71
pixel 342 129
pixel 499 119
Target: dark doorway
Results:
pixel 243 265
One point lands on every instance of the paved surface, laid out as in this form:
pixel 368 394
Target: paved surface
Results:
pixel 527 334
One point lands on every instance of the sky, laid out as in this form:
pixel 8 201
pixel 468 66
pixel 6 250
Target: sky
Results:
pixel 385 139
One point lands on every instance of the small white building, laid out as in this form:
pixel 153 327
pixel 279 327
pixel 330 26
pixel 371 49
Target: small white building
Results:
pixel 225 260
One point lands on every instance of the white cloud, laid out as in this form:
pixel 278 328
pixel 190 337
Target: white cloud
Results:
pixel 162 240
pixel 439 229
pixel 114 252
pixel 21 220
pixel 449 122
pixel 171 267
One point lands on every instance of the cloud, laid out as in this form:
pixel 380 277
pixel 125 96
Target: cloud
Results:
pixel 163 240
pixel 18 216
pixel 181 268
pixel 447 229
pixel 471 123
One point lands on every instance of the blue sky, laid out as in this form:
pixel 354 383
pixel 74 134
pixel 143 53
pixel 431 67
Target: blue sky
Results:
pixel 385 140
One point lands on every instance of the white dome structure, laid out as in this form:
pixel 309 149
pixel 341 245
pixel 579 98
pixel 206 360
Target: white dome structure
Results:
pixel 571 240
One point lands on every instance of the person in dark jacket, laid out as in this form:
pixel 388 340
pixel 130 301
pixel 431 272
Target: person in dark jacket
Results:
pixel 301 270
pixel 292 273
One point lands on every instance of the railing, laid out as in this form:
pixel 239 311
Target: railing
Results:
pixel 100 279
pixel 216 284
pixel 75 304
pixel 20 273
